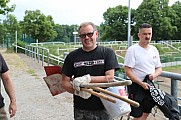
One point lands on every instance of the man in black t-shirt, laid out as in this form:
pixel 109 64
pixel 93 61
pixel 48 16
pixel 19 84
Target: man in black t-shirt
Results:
pixel 8 85
pixel 96 64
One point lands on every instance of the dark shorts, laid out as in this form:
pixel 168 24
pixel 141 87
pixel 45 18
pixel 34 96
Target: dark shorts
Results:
pixel 143 97
pixel 91 115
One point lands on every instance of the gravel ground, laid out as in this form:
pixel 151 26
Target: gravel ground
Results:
pixel 34 100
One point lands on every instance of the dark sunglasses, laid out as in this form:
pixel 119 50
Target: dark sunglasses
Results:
pixel 90 34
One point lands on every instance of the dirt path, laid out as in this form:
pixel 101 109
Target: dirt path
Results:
pixel 34 100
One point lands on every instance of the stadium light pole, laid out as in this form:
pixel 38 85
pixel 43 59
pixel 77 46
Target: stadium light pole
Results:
pixel 75 35
pixel 129 22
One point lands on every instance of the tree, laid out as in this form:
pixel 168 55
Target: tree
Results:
pixel 11 25
pixel 116 23
pixel 2 33
pixel 157 13
pixel 39 26
pixel 4 9
pixel 176 20
pixel 65 32
pixel 60 33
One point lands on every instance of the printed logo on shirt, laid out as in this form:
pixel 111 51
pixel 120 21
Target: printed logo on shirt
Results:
pixel 88 63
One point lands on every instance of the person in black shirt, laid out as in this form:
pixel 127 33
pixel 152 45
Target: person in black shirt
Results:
pixel 8 85
pixel 96 64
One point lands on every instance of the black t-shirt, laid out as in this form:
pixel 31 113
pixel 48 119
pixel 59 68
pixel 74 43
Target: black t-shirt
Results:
pixel 95 63
pixel 3 69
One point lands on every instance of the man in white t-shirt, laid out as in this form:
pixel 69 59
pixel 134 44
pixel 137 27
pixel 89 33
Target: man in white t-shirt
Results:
pixel 142 59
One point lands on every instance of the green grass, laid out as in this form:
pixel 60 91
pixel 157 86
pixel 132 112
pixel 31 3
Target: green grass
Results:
pixel 172 68
pixel 32 72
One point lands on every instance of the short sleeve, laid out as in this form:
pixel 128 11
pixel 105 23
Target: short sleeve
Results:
pixel 130 58
pixel 111 60
pixel 3 66
pixel 67 68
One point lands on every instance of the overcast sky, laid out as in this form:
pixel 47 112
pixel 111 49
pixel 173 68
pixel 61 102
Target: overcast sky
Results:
pixel 71 11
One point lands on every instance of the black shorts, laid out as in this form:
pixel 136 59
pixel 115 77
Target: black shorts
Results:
pixel 91 114
pixel 146 106
pixel 143 97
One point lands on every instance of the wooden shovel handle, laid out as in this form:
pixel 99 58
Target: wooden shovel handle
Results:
pixel 99 95
pixel 131 102
pixel 111 84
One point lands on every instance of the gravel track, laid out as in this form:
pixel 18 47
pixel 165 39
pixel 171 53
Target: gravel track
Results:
pixel 34 100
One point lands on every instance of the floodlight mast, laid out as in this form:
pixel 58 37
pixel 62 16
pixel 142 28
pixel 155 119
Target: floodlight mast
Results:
pixel 75 36
pixel 129 24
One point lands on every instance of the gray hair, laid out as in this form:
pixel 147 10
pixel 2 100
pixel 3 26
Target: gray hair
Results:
pixel 84 24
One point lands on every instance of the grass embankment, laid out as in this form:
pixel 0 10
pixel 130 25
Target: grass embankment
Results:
pixel 173 68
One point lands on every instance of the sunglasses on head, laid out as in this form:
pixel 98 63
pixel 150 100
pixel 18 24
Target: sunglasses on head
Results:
pixel 90 34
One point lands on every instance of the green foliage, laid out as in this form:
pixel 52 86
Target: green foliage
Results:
pixel 65 33
pixel 21 44
pixel 4 8
pixel 11 25
pixel 165 20
pixel 39 26
pixel 176 19
pixel 159 15
pixel 2 33
pixel 115 25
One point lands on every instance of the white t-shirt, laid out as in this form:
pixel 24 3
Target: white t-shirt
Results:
pixel 142 61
